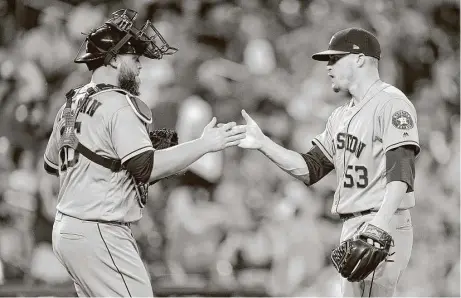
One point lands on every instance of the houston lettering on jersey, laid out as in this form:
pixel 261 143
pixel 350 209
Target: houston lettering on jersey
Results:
pixel 350 142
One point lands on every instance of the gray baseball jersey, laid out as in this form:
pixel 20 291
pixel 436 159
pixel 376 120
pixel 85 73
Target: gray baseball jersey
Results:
pixel 110 125
pixel 356 140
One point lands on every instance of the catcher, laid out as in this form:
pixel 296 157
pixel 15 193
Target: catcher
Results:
pixel 372 143
pixel 105 157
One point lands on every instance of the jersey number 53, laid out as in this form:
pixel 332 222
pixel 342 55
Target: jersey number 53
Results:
pixel 356 176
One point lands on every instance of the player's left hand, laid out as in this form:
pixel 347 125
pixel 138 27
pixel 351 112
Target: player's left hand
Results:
pixel 360 255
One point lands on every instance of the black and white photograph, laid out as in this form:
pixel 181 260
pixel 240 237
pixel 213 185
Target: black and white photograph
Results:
pixel 230 148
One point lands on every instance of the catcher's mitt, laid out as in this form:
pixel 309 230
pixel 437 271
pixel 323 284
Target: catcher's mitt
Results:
pixel 163 138
pixel 357 257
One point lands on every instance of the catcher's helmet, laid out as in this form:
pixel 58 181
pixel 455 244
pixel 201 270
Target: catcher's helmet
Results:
pixel 119 36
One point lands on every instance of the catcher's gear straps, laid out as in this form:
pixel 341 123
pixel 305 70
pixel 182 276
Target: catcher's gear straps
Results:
pixel 70 139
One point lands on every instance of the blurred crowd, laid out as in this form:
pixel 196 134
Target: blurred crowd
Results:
pixel 234 219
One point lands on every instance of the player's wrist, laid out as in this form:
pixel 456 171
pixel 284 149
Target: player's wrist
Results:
pixel 265 143
pixel 205 145
pixel 380 222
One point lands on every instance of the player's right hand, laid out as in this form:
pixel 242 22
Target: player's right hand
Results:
pixel 225 135
pixel 254 136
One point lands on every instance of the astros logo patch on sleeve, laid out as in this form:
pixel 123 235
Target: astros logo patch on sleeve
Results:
pixel 402 120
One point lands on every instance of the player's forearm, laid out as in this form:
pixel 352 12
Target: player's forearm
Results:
pixel 395 190
pixel 290 161
pixel 209 166
pixel 171 160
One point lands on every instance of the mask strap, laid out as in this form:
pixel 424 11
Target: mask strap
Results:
pixel 114 50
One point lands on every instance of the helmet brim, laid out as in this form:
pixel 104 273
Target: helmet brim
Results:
pixel 89 57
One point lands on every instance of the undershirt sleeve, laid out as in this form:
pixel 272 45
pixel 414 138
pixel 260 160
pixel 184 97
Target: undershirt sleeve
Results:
pixel 318 163
pixel 400 166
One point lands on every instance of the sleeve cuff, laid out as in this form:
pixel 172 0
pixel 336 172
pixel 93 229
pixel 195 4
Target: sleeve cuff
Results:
pixel 398 144
pixel 136 152
pixel 50 163
pixel 324 150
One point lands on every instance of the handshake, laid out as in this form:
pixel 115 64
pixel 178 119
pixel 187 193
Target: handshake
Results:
pixel 216 137
pixel 172 158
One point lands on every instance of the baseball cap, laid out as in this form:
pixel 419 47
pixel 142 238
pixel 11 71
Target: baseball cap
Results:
pixel 351 40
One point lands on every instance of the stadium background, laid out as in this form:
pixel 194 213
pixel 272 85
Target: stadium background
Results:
pixel 234 224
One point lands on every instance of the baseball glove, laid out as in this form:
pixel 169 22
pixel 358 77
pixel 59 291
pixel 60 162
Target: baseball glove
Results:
pixel 163 138
pixel 357 257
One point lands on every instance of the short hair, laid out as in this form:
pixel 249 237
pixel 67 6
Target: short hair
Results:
pixel 372 61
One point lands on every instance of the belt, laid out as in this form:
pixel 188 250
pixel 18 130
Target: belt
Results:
pixel 126 224
pixel 347 216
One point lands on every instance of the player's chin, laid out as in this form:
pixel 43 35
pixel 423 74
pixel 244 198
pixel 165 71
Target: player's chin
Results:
pixel 335 88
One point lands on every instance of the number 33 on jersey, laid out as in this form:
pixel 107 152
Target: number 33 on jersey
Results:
pixel 356 140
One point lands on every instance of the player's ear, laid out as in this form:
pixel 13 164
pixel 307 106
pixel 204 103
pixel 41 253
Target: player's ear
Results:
pixel 113 62
pixel 360 60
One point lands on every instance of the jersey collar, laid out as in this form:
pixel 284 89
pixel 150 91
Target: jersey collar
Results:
pixel 374 90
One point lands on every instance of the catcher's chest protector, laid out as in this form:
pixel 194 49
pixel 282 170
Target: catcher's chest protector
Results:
pixel 69 138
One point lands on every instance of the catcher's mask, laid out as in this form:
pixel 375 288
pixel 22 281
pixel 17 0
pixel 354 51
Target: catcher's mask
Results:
pixel 118 35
